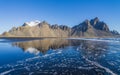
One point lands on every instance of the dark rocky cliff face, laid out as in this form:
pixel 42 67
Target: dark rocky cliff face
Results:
pixel 92 28
pixel 114 32
pixel 82 29
pixel 99 25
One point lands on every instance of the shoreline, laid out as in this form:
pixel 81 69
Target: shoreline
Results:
pixel 54 37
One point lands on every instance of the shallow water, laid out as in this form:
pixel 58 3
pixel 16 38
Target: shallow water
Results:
pixel 59 57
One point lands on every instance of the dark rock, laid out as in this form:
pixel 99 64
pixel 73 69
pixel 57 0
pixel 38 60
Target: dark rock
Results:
pixel 55 26
pixel 64 27
pixel 114 32
pixel 94 21
pixel 99 25
pixel 102 26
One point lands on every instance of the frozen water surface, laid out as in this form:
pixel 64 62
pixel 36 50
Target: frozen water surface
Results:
pixel 60 57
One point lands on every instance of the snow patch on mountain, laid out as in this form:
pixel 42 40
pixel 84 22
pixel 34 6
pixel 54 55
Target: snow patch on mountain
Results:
pixel 33 23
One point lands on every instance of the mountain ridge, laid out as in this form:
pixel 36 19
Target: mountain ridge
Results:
pixel 88 28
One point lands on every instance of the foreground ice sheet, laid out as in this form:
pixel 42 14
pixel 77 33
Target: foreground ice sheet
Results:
pixel 77 57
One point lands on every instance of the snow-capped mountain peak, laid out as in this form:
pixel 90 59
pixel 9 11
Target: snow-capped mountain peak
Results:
pixel 33 23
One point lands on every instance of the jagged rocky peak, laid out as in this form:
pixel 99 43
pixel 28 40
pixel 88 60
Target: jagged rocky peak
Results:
pixel 102 26
pixel 44 23
pixel 99 25
pixel 114 32
pixel 82 26
pixel 13 29
pixel 87 22
pixel 94 21
pixel 36 23
pixel 64 27
pixel 55 26
pixel 32 23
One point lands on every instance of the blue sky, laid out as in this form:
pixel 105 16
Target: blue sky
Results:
pixel 67 12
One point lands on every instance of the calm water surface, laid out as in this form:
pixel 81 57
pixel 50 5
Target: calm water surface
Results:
pixel 59 57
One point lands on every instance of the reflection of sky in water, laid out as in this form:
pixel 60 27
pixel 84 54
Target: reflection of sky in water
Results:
pixel 60 56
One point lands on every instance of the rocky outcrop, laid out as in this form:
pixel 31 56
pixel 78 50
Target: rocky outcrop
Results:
pixel 99 25
pixel 114 32
pixel 83 29
pixel 92 28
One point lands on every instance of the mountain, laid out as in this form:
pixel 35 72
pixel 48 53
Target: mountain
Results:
pixel 92 28
pixel 42 29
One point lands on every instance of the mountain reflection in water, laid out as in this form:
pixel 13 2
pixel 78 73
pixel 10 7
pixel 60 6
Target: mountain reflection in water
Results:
pixel 64 57
pixel 44 45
